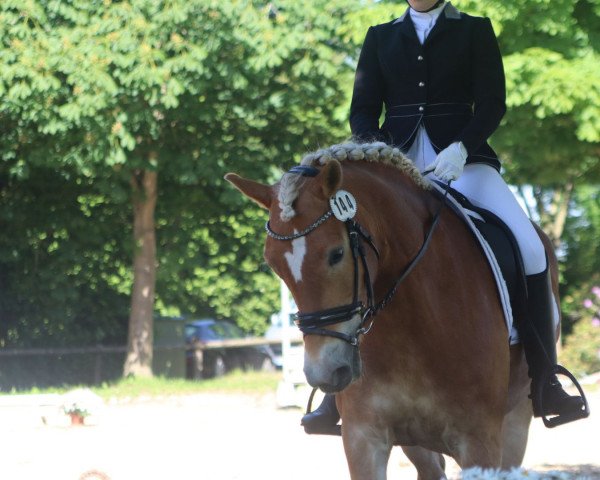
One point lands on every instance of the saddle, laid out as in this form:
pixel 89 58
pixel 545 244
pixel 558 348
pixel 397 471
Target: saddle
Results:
pixel 507 256
pixel 504 247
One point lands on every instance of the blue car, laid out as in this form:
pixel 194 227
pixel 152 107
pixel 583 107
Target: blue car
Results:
pixel 215 347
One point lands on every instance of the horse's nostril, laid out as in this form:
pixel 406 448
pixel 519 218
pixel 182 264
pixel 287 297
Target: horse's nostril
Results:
pixel 341 377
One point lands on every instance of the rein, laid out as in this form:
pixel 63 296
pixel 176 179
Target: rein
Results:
pixel 312 323
pixel 417 258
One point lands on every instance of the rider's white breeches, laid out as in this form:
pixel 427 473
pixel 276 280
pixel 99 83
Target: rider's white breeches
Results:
pixel 485 187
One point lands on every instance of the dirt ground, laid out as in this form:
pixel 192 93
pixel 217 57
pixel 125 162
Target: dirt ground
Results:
pixel 226 437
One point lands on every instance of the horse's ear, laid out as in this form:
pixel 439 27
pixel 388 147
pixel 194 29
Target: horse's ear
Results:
pixel 331 175
pixel 261 194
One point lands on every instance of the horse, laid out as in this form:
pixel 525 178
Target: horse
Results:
pixel 401 314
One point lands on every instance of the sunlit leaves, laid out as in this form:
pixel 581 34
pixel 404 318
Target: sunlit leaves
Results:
pixel 88 88
pixel 551 54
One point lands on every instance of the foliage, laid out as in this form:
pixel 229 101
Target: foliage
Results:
pixel 581 251
pixel 93 91
pixel 74 409
pixel 582 348
pixel 581 238
pixel 96 91
pixel 551 132
pixel 62 264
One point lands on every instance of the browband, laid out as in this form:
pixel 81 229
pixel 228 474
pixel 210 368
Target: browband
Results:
pixel 304 170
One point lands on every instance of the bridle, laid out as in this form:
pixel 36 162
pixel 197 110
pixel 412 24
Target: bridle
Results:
pixel 313 323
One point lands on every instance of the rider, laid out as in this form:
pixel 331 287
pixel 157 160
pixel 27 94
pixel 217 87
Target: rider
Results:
pixel 439 73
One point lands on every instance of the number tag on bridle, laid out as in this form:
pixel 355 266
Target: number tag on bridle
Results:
pixel 343 205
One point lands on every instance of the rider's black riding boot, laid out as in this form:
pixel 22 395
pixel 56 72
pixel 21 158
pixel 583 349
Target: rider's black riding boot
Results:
pixel 537 336
pixel 324 419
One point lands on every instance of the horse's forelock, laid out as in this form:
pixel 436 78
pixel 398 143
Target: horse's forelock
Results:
pixel 379 152
pixel 289 186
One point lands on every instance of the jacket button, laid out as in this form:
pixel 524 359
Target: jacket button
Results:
pixel 420 58
pixel 421 84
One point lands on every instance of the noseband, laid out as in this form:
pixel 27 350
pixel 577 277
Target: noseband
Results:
pixel 312 323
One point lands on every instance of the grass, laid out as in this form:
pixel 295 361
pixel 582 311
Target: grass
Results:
pixel 236 382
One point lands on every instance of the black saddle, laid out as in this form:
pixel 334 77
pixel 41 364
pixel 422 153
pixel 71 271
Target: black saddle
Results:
pixel 505 248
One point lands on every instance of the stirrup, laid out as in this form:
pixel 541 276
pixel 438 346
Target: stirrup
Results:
pixel 565 417
pixel 335 430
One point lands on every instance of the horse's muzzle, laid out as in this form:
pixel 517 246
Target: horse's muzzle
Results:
pixel 334 378
pixel 340 379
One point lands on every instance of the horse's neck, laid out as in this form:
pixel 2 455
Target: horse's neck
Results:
pixel 399 214
pixel 402 206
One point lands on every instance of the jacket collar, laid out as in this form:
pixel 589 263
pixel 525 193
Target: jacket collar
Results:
pixel 450 12
pixel 407 27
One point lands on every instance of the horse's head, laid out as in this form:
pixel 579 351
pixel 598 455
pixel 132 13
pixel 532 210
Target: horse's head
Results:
pixel 309 248
pixel 318 242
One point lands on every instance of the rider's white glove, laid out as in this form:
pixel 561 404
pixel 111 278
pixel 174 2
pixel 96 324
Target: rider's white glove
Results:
pixel 450 162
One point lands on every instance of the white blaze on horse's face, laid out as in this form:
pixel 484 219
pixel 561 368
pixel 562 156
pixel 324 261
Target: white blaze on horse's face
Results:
pixel 295 258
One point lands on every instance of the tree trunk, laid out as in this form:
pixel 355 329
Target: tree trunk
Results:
pixel 553 212
pixel 139 344
pixel 560 212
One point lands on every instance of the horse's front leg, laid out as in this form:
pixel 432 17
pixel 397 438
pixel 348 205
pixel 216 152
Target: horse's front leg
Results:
pixel 367 450
pixel 480 449
pixel 430 465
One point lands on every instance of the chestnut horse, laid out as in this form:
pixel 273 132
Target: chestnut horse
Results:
pixel 432 371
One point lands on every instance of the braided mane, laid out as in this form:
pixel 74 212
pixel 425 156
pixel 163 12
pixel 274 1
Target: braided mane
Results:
pixel 379 152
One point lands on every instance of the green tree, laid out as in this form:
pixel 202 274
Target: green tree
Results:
pixel 152 95
pixel 110 109
pixel 581 251
pixel 550 136
pixel 57 237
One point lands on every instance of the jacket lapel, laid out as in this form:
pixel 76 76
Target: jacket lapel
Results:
pixel 446 20
pixel 406 27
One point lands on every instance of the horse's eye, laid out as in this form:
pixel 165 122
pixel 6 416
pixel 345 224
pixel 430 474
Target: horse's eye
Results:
pixel 335 256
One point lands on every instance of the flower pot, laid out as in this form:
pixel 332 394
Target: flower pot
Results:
pixel 76 419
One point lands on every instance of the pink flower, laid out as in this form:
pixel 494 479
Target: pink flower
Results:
pixel 587 303
pixel 596 291
pixel 596 322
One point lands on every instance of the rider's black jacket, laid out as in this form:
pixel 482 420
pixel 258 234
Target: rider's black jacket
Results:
pixel 453 84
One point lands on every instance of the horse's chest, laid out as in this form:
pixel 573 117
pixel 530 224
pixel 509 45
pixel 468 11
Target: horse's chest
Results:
pixel 417 420
pixel 433 433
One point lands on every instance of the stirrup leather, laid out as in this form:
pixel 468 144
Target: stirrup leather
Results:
pixel 557 420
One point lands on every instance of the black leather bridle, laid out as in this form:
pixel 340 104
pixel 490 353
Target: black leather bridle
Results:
pixel 312 323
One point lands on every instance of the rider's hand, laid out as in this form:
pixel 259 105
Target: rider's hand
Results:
pixel 450 162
